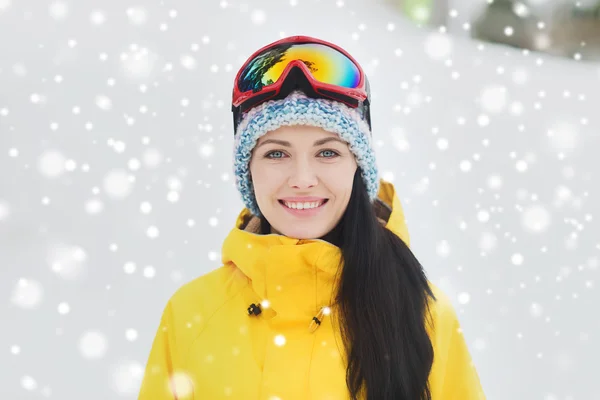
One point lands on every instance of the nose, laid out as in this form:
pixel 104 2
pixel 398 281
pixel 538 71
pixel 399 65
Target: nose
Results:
pixel 302 175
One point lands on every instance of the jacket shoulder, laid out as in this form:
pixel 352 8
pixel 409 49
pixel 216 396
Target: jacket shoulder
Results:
pixel 183 320
pixel 442 313
pixel 453 374
pixel 442 306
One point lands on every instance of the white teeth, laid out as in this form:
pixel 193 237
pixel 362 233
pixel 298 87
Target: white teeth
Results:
pixel 303 206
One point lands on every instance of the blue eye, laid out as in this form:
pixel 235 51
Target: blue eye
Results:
pixel 330 152
pixel 268 155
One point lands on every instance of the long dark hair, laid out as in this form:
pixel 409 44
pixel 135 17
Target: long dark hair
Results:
pixel 383 305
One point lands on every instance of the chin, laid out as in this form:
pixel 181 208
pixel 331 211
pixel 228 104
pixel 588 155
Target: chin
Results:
pixel 303 233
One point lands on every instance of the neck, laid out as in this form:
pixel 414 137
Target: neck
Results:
pixel 332 237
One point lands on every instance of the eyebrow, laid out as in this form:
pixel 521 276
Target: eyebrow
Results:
pixel 288 144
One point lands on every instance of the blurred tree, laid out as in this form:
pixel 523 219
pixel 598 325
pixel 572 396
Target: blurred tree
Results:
pixel 424 12
pixel 570 29
pixel 587 9
pixel 575 30
pixel 506 22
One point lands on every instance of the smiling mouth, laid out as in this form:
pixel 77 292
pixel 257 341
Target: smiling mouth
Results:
pixel 303 206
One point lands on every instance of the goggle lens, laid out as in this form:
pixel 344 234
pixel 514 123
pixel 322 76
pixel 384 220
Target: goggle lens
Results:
pixel 326 64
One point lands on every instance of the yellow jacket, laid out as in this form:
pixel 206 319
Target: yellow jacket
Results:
pixel 208 347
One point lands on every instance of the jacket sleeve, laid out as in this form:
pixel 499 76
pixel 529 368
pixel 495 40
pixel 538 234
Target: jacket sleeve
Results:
pixel 162 380
pixel 460 380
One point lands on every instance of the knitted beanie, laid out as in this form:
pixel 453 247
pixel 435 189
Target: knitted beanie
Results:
pixel 299 109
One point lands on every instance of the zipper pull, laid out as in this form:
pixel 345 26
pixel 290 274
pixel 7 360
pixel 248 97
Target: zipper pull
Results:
pixel 316 321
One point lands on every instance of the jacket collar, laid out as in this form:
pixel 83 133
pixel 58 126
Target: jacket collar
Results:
pixel 297 276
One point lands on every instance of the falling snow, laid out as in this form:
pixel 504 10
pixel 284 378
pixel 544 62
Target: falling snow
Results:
pixel 93 345
pixel 127 377
pixel 27 294
pixel 152 158
pixel 438 46
pixel 51 164
pixel 117 184
pixel 58 10
pixel 67 261
pixel 117 187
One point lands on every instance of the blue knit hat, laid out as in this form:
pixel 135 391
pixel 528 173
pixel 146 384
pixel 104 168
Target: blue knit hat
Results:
pixel 298 109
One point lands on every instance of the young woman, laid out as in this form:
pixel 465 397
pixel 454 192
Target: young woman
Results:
pixel 319 296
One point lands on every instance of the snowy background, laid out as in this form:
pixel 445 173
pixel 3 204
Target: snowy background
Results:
pixel 116 182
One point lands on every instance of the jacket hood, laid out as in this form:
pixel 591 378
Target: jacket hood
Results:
pixel 297 276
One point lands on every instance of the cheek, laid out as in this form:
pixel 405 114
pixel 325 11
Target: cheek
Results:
pixel 265 179
pixel 340 179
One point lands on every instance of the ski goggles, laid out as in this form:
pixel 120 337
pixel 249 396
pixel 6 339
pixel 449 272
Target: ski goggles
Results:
pixel 319 68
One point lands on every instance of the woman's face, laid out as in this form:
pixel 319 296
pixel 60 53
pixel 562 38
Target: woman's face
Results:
pixel 302 177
